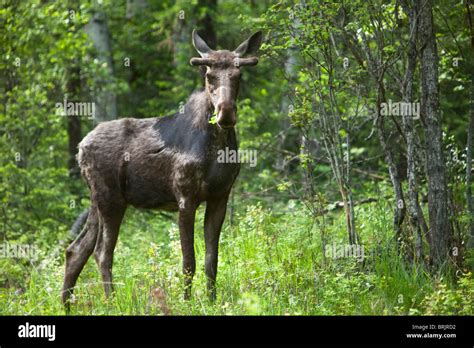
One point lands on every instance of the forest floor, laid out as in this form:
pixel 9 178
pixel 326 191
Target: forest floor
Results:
pixel 270 263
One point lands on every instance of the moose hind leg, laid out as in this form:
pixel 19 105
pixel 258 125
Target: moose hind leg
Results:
pixel 106 241
pixel 78 253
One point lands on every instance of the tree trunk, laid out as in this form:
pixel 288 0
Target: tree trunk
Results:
pixel 74 133
pixel 106 104
pixel 470 134
pixel 400 209
pixel 440 227
pixel 205 23
pixel 377 72
pixel 134 7
pixel 415 212
pixel 285 125
pixel 73 90
pixel 330 126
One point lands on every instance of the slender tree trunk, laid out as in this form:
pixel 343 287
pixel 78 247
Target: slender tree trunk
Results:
pixel 350 200
pixel 415 212
pixel 290 72
pixel 134 7
pixel 181 38
pixel 106 104
pixel 400 209
pixel 205 23
pixel 329 125
pixel 377 73
pixel 349 212
pixel 74 133
pixel 470 135
pixel 440 226
pixel 73 90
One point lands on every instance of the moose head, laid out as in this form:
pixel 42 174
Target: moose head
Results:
pixel 222 74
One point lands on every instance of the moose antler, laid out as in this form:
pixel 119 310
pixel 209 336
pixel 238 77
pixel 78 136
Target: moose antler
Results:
pixel 201 61
pixel 238 61
pixel 246 61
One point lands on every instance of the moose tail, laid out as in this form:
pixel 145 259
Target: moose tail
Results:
pixel 79 223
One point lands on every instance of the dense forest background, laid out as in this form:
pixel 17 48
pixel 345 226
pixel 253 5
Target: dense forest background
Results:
pixel 362 116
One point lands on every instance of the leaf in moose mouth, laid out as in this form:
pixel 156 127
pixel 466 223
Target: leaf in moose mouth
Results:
pixel 213 119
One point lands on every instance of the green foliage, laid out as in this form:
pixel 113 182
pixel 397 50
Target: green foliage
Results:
pixel 271 260
pixel 456 301
pixel 269 264
pixel 35 190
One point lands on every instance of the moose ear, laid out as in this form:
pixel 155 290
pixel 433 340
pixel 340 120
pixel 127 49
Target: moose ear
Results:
pixel 250 46
pixel 200 45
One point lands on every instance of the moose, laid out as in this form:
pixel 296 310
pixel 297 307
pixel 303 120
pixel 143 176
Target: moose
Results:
pixel 167 163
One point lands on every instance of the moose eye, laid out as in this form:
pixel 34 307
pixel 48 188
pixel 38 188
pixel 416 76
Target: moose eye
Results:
pixel 211 77
pixel 234 76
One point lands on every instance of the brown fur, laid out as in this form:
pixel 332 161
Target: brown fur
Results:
pixel 160 163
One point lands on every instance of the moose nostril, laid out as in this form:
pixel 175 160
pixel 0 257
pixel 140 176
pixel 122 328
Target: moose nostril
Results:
pixel 226 106
pixel 226 125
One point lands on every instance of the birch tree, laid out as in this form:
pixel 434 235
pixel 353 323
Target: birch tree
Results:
pixel 105 98
pixel 440 226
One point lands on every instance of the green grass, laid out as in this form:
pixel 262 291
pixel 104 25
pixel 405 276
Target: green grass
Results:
pixel 269 264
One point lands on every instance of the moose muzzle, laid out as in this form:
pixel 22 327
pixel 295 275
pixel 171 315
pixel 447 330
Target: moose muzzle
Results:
pixel 225 108
pixel 226 114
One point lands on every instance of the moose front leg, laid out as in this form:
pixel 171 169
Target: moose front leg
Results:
pixel 215 214
pixel 187 215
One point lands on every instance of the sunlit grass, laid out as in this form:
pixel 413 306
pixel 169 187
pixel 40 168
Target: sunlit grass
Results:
pixel 269 264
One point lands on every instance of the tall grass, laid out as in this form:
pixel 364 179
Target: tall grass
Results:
pixel 269 264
